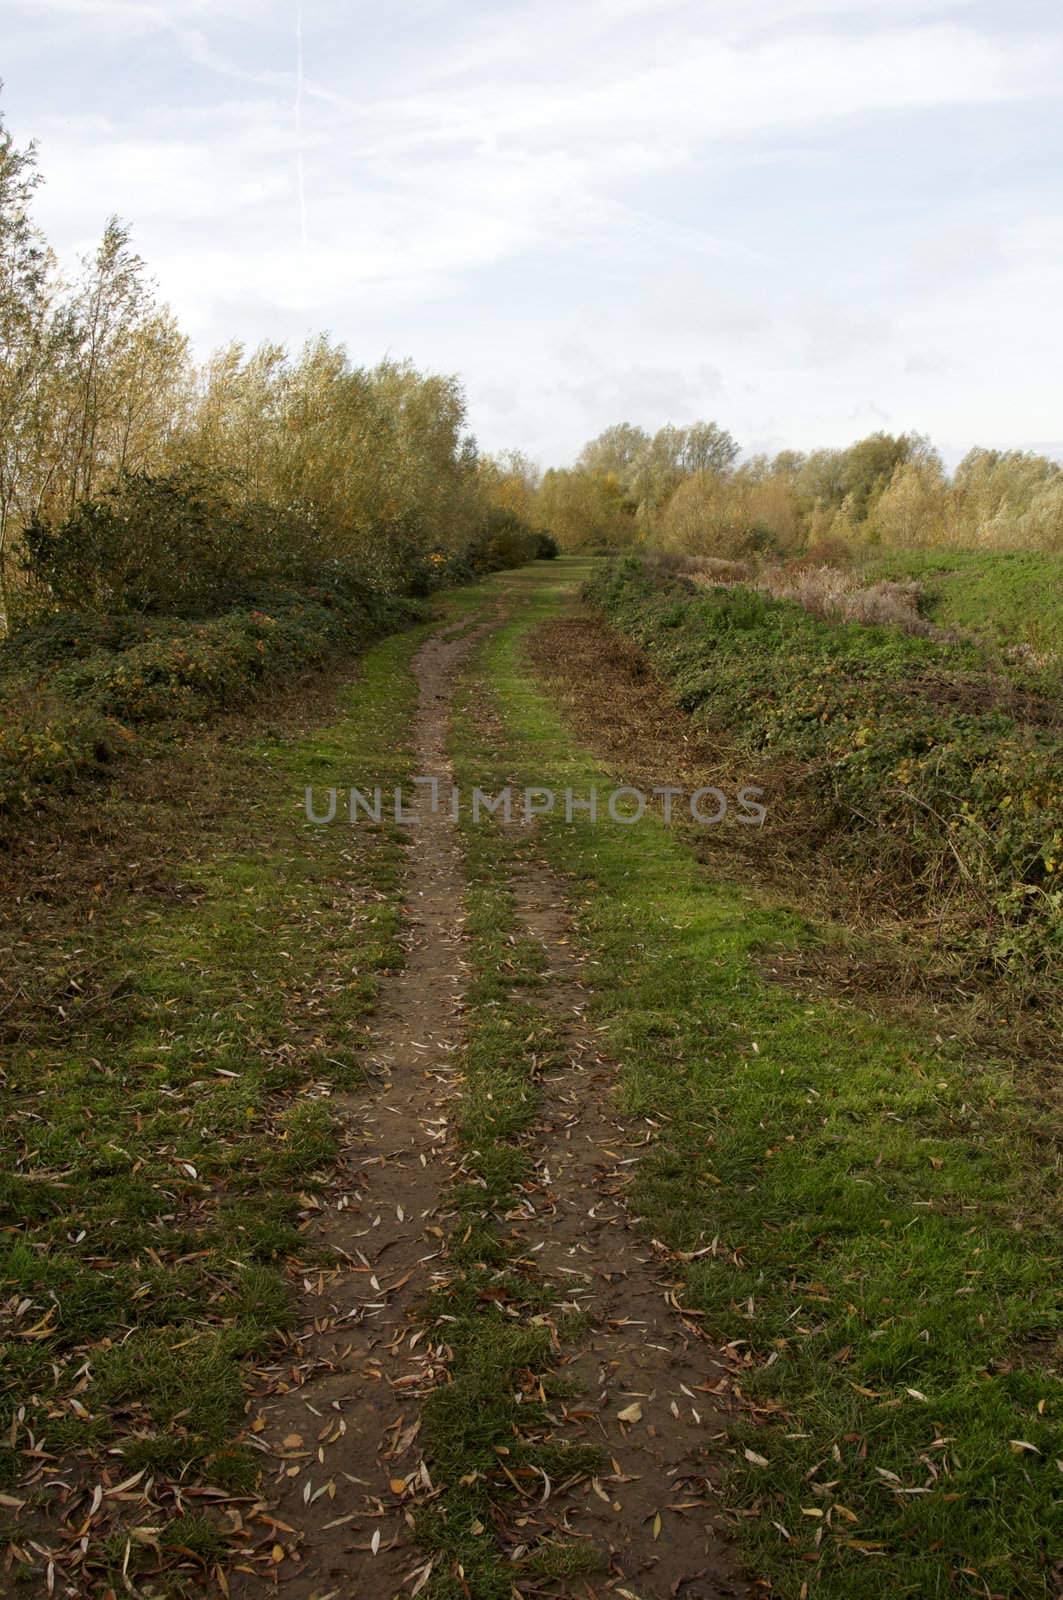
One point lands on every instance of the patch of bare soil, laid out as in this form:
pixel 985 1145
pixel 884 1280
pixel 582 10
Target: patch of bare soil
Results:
pixel 649 1387
pixel 336 1416
pixel 620 707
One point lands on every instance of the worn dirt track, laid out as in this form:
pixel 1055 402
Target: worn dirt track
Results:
pixel 338 1421
pixel 337 1418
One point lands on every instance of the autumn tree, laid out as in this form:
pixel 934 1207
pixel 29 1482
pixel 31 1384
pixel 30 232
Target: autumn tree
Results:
pixel 26 268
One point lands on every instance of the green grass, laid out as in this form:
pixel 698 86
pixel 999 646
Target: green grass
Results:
pixel 165 1110
pixel 1004 597
pixel 882 1211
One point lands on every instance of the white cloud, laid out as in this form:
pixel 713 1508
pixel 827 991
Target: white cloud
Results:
pixel 481 192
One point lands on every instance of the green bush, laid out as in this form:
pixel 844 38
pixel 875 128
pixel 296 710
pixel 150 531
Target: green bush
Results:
pixel 54 639
pixel 506 540
pixel 48 745
pixel 73 690
pixel 178 544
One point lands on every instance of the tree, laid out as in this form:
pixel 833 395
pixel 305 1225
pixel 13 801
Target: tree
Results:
pixel 617 452
pixel 107 317
pixel 26 267
pixel 586 510
pixel 857 475
pixel 510 481
pixel 911 509
pixel 705 447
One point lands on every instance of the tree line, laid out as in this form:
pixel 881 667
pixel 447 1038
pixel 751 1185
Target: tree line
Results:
pixel 127 469
pixel 685 491
pixel 130 473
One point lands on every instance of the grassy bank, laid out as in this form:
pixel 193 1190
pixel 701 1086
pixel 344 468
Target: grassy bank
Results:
pixel 879 1211
pixel 927 772
pixel 1006 598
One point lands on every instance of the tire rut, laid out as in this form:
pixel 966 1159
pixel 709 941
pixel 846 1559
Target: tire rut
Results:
pixel 656 1515
pixel 336 1418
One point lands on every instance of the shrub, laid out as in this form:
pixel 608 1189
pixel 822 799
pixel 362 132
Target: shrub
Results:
pixel 188 669
pixel 506 540
pixel 73 687
pixel 918 767
pixel 826 591
pixel 178 543
pixel 48 745
pixel 831 594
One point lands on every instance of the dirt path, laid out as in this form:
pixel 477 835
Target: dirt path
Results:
pixel 652 1391
pixel 337 1417
pixel 655 1517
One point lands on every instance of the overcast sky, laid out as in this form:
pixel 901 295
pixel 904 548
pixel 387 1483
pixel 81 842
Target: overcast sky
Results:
pixel 805 218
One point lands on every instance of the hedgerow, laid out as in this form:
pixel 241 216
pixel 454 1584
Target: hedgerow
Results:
pixel 195 668
pixel 915 759
pixel 75 688
pixel 168 597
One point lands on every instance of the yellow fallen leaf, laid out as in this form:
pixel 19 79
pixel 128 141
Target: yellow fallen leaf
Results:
pixel 631 1413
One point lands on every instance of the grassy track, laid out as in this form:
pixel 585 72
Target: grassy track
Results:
pixel 169 1056
pixel 882 1211
pixel 488 1433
